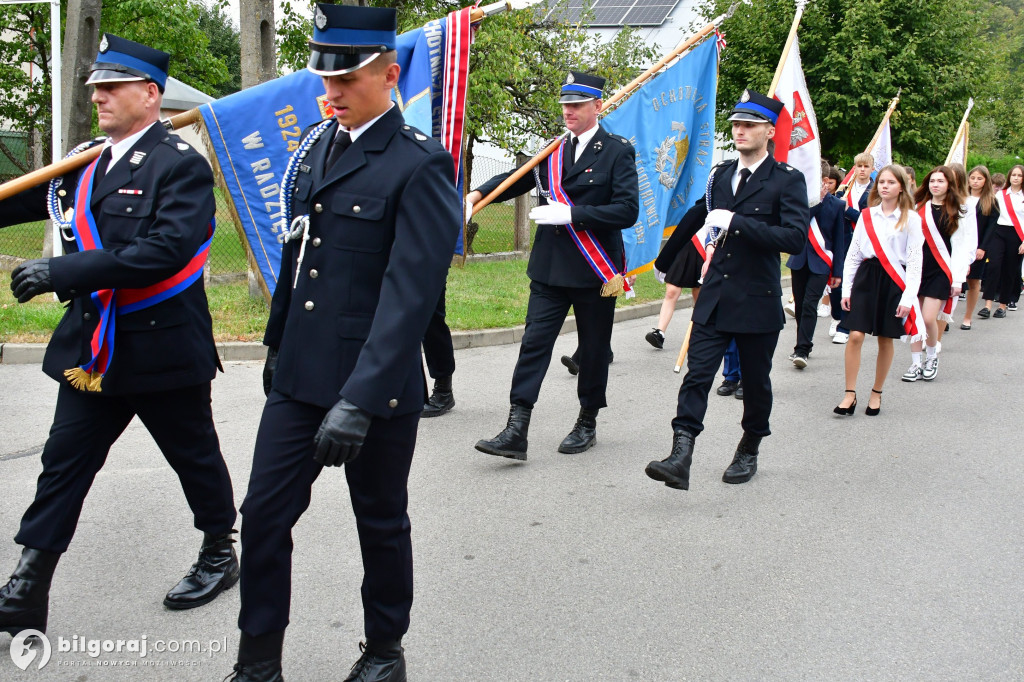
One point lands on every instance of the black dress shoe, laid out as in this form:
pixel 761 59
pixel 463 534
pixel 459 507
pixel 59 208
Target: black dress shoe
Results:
pixel 570 365
pixel 512 441
pixel 744 462
pixel 379 664
pixel 583 435
pixel 259 658
pixel 728 387
pixel 984 313
pixel 1000 312
pixel 738 393
pixel 441 399
pixel 25 599
pixel 674 470
pixel 214 571
pixel 656 338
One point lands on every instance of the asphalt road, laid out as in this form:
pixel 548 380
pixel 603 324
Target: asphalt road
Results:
pixel 884 548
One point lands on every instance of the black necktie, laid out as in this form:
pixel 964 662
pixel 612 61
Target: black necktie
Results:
pixel 744 175
pixel 101 167
pixel 570 157
pixel 342 141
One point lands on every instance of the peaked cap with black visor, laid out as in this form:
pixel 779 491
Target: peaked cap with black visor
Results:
pixel 121 60
pixel 756 108
pixel 347 38
pixel 581 87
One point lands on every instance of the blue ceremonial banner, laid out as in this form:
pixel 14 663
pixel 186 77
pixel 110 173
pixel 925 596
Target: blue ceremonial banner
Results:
pixel 252 133
pixel 671 122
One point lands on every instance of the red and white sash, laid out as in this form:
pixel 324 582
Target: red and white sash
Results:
pixel 456 82
pixel 941 253
pixel 913 323
pixel 818 242
pixel 1014 218
pixel 612 281
pixel 699 239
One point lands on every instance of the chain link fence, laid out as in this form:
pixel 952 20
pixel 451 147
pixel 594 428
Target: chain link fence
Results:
pixel 493 229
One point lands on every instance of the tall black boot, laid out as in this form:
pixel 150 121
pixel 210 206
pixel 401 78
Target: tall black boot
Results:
pixel 674 470
pixel 25 599
pixel 441 399
pixel 380 662
pixel 259 658
pixel 583 435
pixel 214 571
pixel 512 441
pixel 744 462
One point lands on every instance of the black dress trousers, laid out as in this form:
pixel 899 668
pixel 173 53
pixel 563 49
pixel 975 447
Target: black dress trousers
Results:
pixel 808 287
pixel 545 314
pixel 437 343
pixel 280 487
pixel 85 425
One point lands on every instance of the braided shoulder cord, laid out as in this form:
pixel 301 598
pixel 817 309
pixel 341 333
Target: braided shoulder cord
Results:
pixel 52 202
pixel 291 172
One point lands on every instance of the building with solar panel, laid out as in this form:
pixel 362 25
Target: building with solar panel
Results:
pixel 660 23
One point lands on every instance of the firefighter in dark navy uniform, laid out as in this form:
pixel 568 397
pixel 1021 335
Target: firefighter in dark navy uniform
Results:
pixel 377 214
pixel 600 198
pixel 136 244
pixel 757 208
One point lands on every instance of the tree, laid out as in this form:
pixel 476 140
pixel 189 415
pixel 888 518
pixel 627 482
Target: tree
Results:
pixel 224 45
pixel 25 92
pixel 856 54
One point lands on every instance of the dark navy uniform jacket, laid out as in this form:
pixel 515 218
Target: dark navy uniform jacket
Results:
pixel 382 225
pixel 604 188
pixel 148 235
pixel 829 212
pixel 743 282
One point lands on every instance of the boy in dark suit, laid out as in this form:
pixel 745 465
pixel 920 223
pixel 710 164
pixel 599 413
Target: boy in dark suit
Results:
pixel 756 207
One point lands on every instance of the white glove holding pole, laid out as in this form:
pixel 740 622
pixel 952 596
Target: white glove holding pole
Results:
pixel 719 218
pixel 469 209
pixel 551 214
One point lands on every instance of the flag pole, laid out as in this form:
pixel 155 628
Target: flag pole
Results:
pixel 187 118
pixel 610 102
pixel 878 134
pixel 790 39
pixel 961 132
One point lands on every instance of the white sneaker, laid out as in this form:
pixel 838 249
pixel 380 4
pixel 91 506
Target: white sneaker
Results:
pixel 824 310
pixel 840 338
pixel 790 309
pixel 833 327
pixel 912 374
pixel 930 369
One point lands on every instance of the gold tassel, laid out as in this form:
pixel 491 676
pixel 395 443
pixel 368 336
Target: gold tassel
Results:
pixel 613 287
pixel 84 381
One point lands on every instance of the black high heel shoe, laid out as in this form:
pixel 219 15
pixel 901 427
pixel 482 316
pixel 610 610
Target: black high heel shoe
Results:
pixel 847 411
pixel 872 411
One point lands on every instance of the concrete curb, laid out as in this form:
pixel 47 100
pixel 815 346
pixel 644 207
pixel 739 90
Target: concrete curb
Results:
pixel 248 351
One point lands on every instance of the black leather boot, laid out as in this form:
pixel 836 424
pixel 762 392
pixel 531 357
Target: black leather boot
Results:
pixel 583 435
pixel 674 470
pixel 380 662
pixel 259 658
pixel 214 571
pixel 25 599
pixel 744 462
pixel 512 441
pixel 441 399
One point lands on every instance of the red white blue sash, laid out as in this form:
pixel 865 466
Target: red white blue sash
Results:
pixel 818 243
pixel 1014 218
pixel 941 253
pixel 114 302
pixel 913 323
pixel 612 281
pixel 699 239
pixel 456 82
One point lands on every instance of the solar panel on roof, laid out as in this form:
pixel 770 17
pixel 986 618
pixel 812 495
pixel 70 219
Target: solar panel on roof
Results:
pixel 649 13
pixel 610 13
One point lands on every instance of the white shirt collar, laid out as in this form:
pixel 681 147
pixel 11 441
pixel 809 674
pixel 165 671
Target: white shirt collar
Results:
pixel 359 130
pixel 583 139
pixel 119 149
pixel 894 216
pixel 754 166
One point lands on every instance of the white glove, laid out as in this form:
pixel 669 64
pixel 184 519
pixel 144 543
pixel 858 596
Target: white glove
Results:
pixel 659 275
pixel 719 218
pixel 552 214
pixel 469 209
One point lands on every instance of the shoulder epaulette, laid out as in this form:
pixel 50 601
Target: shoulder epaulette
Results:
pixel 414 133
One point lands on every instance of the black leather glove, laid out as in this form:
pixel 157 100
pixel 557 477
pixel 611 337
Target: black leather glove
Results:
pixel 30 279
pixel 341 434
pixel 269 369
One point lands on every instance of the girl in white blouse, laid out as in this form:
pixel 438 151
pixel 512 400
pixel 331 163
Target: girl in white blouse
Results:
pixel 1003 270
pixel 880 280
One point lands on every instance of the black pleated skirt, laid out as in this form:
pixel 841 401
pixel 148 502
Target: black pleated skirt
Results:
pixel 685 269
pixel 934 283
pixel 873 302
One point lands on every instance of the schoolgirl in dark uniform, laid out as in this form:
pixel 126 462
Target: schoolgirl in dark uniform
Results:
pixel 1002 271
pixel 982 200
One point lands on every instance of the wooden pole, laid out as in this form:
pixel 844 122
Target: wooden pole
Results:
pixel 874 140
pixel 961 132
pixel 610 102
pixel 681 358
pixel 790 39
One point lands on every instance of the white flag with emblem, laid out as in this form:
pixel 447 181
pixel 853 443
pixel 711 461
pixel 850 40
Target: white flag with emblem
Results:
pixel 796 133
pixel 882 151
